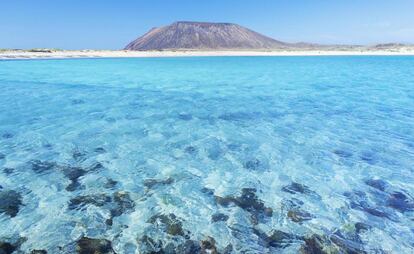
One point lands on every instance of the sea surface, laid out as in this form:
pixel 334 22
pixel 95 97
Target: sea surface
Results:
pixel 207 154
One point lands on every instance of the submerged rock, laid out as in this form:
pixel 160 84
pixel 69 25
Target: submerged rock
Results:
pixel 38 252
pixel 209 192
pixel 73 173
pixel 151 183
pixel 81 201
pixel 245 238
pixel 110 183
pixel 361 227
pixel 368 157
pixel 336 242
pixel 73 186
pixel 170 222
pixel 8 171
pixel 277 238
pixel 78 155
pixel 189 247
pixel 401 202
pixel 70 172
pixel 295 187
pixel 190 150
pixel 299 215
pixel 314 244
pixel 7 135
pixel 280 239
pixel 343 153
pixel 77 101
pixel 293 203
pixel 123 203
pixel 247 201
pixel 96 166
pixel 294 211
pixel 219 217
pixel 353 246
pixel 371 210
pixel 7 248
pixel 377 184
pixel 42 166
pixel 99 150
pixel 239 116
pixel 2 156
pixel 47 146
pixel 359 201
pixel 381 201
pixel 185 117
pixel 149 245
pixel 10 202
pixel 252 164
pixel 209 246
pixel 118 204
pixel 228 249
pixel 87 245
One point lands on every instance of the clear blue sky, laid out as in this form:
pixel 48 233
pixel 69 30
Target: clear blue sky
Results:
pixel 111 24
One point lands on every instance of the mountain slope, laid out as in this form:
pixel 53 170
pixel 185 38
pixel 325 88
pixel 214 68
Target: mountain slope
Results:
pixel 200 35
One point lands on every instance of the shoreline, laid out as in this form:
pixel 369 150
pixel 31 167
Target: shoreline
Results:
pixel 75 54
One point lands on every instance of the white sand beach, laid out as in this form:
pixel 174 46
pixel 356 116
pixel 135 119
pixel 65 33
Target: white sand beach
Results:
pixel 58 54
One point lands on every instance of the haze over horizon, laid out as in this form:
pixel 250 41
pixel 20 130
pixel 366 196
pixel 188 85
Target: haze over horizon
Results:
pixel 111 25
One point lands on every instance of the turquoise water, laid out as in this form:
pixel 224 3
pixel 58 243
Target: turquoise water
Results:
pixel 261 154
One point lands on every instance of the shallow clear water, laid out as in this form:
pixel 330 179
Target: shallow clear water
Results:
pixel 163 153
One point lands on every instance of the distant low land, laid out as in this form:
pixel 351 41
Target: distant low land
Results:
pixel 186 38
pixel 335 51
